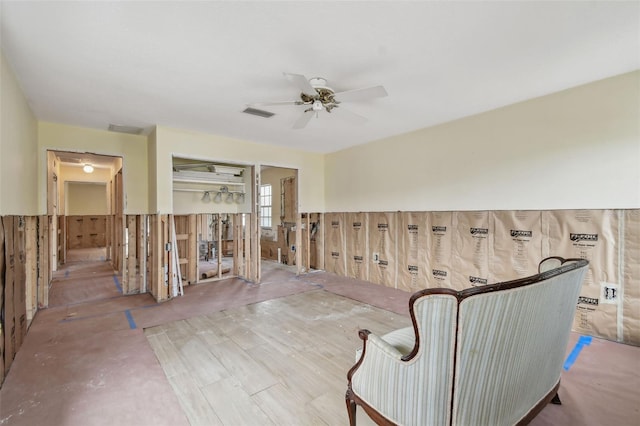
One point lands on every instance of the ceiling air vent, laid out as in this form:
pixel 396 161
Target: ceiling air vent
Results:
pixel 132 130
pixel 258 112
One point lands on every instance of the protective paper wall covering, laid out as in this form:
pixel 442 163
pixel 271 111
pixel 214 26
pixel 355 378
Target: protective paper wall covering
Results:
pixel 517 244
pixel 356 256
pixel 412 251
pixel 471 249
pixel 630 323
pixel 334 256
pixel 416 250
pixel 591 235
pixel 439 251
pixel 382 248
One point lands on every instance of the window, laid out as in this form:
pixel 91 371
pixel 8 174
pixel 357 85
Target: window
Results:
pixel 265 206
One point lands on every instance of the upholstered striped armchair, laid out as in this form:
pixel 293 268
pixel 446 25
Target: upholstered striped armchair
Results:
pixel 489 355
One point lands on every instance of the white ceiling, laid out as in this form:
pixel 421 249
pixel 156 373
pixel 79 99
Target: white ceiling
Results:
pixel 195 65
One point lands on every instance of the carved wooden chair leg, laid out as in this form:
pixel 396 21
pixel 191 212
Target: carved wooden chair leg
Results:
pixel 351 409
pixel 556 400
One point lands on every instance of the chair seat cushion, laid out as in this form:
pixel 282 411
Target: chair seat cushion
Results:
pixel 402 339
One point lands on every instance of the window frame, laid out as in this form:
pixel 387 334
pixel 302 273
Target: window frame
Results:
pixel 263 207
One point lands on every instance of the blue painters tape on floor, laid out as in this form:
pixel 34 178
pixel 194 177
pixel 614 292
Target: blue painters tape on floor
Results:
pixel 66 273
pixel 118 286
pixel 582 341
pixel 132 323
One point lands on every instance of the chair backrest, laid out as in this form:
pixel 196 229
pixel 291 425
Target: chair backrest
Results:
pixel 418 390
pixel 511 342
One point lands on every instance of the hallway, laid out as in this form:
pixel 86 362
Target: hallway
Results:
pixel 82 362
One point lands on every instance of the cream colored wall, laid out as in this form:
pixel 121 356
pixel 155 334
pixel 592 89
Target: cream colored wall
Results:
pixel 73 174
pixel 132 148
pixel 86 198
pixel 18 148
pixel 152 174
pixel 182 143
pixel 76 174
pixel 579 148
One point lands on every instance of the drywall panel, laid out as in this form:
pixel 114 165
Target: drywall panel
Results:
pixel 440 233
pixel 18 148
pixel 356 244
pixel 334 243
pixel 412 251
pixel 382 248
pixel 591 235
pixel 517 247
pixel 185 144
pixel 132 149
pixel 472 239
pixel 564 150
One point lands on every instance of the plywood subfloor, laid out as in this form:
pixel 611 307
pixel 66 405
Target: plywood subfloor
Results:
pixel 279 362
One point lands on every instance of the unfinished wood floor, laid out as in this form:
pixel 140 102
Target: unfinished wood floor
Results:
pixel 283 361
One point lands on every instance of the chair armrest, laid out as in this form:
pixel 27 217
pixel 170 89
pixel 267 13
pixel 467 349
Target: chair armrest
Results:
pixel 376 344
pixel 384 347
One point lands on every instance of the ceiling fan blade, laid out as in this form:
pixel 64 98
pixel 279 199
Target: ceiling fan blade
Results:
pixel 302 83
pixel 261 104
pixel 361 94
pixel 304 119
pixel 349 115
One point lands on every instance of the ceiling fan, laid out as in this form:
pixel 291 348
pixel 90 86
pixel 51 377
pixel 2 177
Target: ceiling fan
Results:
pixel 318 96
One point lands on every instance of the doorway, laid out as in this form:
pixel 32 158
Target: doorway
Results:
pixel 212 205
pixel 278 218
pixel 84 208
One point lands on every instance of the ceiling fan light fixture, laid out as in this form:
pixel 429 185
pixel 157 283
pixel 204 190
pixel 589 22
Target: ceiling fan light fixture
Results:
pixel 87 168
pixel 316 96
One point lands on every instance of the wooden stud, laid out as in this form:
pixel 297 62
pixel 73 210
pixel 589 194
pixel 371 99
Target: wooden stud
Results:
pixel 159 257
pixel 2 286
pixel 141 242
pixel 298 243
pixel 169 258
pixel 132 258
pixel 219 243
pixel 247 246
pixel 19 290
pixel 9 313
pixel 62 223
pixel 192 250
pixel 44 272
pixel 307 243
pixel 31 284
pixel 238 253
pixel 154 275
